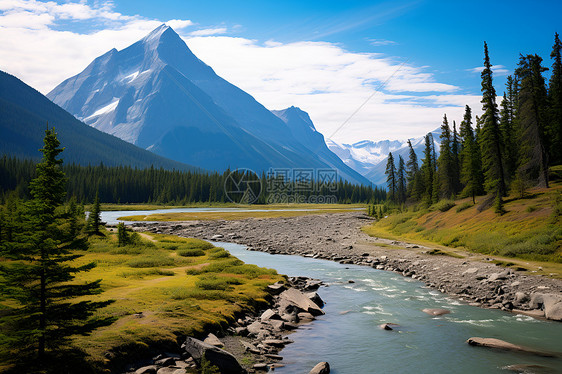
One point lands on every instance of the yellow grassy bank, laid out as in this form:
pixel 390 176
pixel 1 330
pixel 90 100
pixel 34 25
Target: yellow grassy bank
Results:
pixel 530 229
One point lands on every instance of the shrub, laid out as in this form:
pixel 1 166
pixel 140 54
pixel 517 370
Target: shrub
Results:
pixel 191 252
pixel 444 205
pixel 151 261
pixel 219 253
pixel 212 283
pixel 147 272
pixel 464 206
pixel 127 250
pixel 223 266
pixel 250 271
pixel 178 293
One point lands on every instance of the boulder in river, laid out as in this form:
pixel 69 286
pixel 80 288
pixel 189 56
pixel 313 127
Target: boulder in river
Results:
pixel 315 298
pixel 436 311
pixel 388 326
pixel 527 368
pixel 226 362
pixel 506 346
pixel 550 303
pixel 299 299
pixel 321 368
pixel 305 317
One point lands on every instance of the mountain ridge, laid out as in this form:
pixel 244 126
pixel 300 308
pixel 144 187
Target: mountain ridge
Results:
pixel 158 95
pixel 26 113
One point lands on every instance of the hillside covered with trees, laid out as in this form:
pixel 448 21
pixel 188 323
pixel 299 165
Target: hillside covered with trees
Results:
pixel 507 149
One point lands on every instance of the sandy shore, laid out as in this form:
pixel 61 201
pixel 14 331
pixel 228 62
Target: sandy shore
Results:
pixel 339 237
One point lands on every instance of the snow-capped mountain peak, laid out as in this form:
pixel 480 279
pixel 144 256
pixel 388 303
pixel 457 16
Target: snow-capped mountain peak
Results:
pixel 369 158
pixel 158 95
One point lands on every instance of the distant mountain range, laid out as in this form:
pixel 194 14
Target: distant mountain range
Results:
pixel 25 114
pixel 369 158
pixel 159 96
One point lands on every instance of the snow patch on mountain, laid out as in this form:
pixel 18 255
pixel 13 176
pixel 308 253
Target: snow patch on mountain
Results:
pixel 103 110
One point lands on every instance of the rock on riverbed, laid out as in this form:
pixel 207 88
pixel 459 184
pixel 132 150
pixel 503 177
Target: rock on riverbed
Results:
pixel 506 346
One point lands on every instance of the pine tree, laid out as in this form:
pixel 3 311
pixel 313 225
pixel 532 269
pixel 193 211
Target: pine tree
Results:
pixel 391 178
pixel 490 137
pixel 455 153
pixel 94 219
pixel 445 163
pixel 507 127
pixel 471 168
pixel 533 120
pixel 436 184
pixel 413 176
pixel 36 273
pixel 427 170
pixel 401 182
pixel 122 235
pixel 555 103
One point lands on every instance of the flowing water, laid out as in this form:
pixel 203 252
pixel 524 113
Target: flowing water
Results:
pixel 349 337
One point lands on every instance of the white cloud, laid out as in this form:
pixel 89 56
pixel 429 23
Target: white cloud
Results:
pixel 380 42
pixel 208 32
pixel 496 69
pixel 331 83
pixel 43 57
pixel 179 24
pixel 321 78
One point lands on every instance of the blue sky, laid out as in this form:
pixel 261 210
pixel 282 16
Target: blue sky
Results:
pixel 448 36
pixel 326 57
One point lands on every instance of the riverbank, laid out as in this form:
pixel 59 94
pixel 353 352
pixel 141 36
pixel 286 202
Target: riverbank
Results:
pixel 252 342
pixel 473 278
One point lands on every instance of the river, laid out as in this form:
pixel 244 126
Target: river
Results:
pixel 349 337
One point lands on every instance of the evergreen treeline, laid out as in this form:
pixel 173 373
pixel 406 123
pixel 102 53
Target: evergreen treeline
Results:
pixel 125 184
pixel 511 148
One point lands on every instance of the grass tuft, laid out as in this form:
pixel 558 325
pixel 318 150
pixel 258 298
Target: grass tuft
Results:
pixel 443 205
pixel 192 252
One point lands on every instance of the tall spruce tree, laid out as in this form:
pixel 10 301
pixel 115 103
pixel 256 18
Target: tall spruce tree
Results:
pixel 414 180
pixel 94 218
pixel 436 183
pixel 471 167
pixel 37 273
pixel 445 163
pixel 391 179
pixel 491 138
pixel 455 153
pixel 533 120
pixel 401 180
pixel 555 103
pixel 507 127
pixel 427 169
